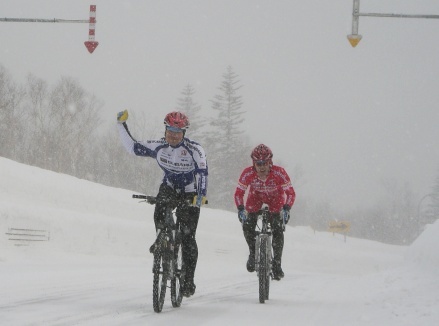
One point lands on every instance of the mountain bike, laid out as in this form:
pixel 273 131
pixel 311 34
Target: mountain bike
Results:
pixel 168 263
pixel 263 253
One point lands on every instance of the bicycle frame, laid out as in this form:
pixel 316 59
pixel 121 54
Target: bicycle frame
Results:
pixel 166 238
pixel 264 233
pixel 168 264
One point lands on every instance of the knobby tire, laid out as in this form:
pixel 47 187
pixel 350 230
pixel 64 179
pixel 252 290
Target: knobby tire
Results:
pixel 268 269
pixel 262 270
pixel 178 280
pixel 159 280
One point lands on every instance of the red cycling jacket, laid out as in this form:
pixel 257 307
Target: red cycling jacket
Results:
pixel 275 191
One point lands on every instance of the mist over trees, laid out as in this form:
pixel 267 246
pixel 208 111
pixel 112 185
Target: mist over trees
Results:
pixel 188 105
pixel 56 127
pixel 228 147
pixel 11 96
pixel 433 213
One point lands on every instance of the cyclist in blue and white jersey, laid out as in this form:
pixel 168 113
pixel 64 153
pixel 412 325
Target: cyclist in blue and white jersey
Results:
pixel 184 164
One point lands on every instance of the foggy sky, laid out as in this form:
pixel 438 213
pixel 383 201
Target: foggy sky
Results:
pixel 349 117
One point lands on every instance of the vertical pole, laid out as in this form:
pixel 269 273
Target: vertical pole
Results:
pixel 91 44
pixel 355 17
pixel 92 23
pixel 354 38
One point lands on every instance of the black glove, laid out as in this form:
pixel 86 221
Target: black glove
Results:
pixel 286 213
pixel 242 214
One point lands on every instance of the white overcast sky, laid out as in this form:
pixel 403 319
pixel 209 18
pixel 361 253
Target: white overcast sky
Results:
pixel 349 117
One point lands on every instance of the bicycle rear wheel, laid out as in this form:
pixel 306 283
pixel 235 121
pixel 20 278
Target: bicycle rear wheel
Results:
pixel 159 280
pixel 262 270
pixel 178 280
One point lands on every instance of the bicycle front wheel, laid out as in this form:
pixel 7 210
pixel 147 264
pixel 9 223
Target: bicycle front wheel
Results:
pixel 178 280
pixel 268 261
pixel 263 270
pixel 159 280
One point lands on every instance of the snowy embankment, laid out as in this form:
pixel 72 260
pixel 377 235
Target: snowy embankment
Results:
pixel 95 268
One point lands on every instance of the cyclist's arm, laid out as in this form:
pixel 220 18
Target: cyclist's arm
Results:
pixel 201 169
pixel 290 195
pixel 243 183
pixel 133 146
pixel 202 183
pixel 239 195
pixel 288 189
pixel 127 140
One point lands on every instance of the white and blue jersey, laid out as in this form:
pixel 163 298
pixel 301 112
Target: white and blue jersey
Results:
pixel 184 166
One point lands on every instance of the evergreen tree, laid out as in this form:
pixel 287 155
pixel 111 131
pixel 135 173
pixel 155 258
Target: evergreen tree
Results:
pixel 226 143
pixel 396 221
pixel 433 211
pixel 187 105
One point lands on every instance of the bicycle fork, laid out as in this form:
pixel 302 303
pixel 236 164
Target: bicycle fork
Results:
pixel 269 255
pixel 168 262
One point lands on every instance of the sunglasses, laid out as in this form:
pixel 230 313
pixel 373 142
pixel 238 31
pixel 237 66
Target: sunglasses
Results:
pixel 174 129
pixel 262 162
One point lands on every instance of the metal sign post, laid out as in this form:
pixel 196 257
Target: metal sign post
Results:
pixel 91 44
pixel 355 38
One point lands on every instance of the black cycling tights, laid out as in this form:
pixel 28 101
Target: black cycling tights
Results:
pixel 249 229
pixel 187 216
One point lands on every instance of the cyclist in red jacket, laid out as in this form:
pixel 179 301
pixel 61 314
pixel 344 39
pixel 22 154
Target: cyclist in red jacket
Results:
pixel 269 184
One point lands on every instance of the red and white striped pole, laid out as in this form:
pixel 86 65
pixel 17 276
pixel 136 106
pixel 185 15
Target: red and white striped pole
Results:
pixel 91 44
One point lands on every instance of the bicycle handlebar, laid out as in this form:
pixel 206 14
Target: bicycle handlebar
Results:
pixel 139 196
pixel 153 200
pixel 150 199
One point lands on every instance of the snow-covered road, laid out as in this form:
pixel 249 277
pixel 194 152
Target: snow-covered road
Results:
pixel 96 270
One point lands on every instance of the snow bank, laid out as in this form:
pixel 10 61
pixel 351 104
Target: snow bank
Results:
pixel 424 251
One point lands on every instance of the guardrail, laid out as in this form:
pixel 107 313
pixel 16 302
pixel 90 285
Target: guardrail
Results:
pixel 25 237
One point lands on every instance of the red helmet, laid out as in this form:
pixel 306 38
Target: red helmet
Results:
pixel 262 153
pixel 176 120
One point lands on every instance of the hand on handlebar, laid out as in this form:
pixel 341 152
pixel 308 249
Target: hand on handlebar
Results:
pixel 242 214
pixel 285 213
pixel 199 200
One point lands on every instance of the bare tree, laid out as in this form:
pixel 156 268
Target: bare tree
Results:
pixel 37 120
pixel 433 208
pixel 62 122
pixel 11 128
pixel 73 120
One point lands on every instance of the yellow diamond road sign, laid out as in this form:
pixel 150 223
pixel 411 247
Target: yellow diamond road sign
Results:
pixel 339 226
